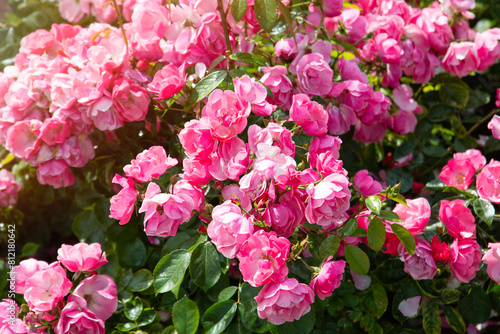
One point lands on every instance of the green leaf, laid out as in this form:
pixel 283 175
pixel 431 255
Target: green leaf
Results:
pixel 435 151
pixel 454 319
pixel 219 316
pixel 141 280
pixel 132 253
pixel 376 234
pixel 449 296
pixel 29 249
pixel 169 272
pixel 133 309
pixel 477 99
pixel 374 300
pixel 485 210
pixel 185 316
pixel 205 267
pixel 126 327
pixel 405 149
pixel 440 112
pixel 405 237
pixel 206 86
pixel 374 204
pixel 357 259
pixel 227 293
pixel 304 325
pixel 247 58
pixel 455 93
pixel 390 216
pixel 266 12
pixel 349 228
pixel 83 224
pixel 476 307
pixel 286 16
pixel 346 45
pixel 432 319
pixel 238 9
pixel 147 317
pixel 329 246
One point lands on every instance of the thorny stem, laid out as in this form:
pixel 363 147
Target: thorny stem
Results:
pixel 120 22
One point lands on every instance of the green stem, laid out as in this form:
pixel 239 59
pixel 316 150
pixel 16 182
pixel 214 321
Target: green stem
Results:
pixel 481 121
pixel 120 22
pixel 226 31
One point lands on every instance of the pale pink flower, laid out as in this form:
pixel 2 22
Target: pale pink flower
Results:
pixel 254 93
pixel 409 307
pixel 9 188
pixel 122 204
pixel 415 216
pixel 22 138
pixel 403 122
pixel 285 301
pixel 97 294
pixel 461 59
pixel 25 270
pixel 475 157
pixel 234 193
pixel 458 174
pixel 494 126
pixel 196 170
pixel 263 258
pixel 55 173
pixel 76 320
pixel 329 278
pixel 314 75
pixel 421 264
pixel 229 229
pixel 148 164
pixel 488 47
pixel 168 81
pixel 37 42
pixel 465 256
pixel 54 131
pixel 366 184
pixel 492 260
pixel 487 182
pixel 230 161
pixel 458 219
pixel 74 10
pixel 81 256
pixel 9 324
pixel 131 101
pixel 280 85
pixel 273 135
pixel 361 282
pixel 191 193
pixel 310 115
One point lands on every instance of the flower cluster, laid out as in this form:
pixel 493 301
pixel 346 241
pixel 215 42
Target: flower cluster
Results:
pixel 45 287
pixel 9 188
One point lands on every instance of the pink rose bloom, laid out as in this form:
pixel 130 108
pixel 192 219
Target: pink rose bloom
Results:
pixel 280 85
pixel 230 161
pixel 96 294
pixel 25 270
pixel 164 212
pixel 332 8
pixel 263 258
pixel 329 278
pixel 226 113
pixel 403 122
pixel 355 24
pixel 196 139
pixel 55 173
pixel 285 301
pixel 314 75
pixel 81 256
pixel 492 260
pixel 103 11
pixel 310 115
pixel 37 42
pixel 461 59
pixel 8 188
pixel 465 256
pixel 168 81
pixel 191 193
pixel 403 97
pixel 415 216
pixel 74 320
pixel 229 229
pixel 440 250
pixel 326 164
pixel 323 144
pixel 458 174
pixel 458 219
pixel 131 101
pixel 487 184
pixel 46 287
pixel 9 310
pixel 122 204
pixel 273 135
pixel 340 119
pixel 254 93
pixel 233 192
pixel 488 47
pixel 494 125
pixel 475 157
pixel 196 171
pixel 285 216
pixel 420 265
pixel 328 200
pixel 22 138
pixel 74 10
pixel 54 131
pixel 149 164
pixel 365 184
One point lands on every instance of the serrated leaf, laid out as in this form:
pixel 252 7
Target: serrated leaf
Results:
pixel 405 237
pixel 238 9
pixel 247 58
pixel 432 319
pixel 357 259
pixel 219 316
pixel 266 13
pixel 185 316
pixel 376 234
pixel 206 86
pixel 485 210
pixel 205 266
pixel 329 246
pixel 454 319
pixel 374 204
pixel 169 272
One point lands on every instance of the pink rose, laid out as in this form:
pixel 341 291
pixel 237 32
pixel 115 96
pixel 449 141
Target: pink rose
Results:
pixel 488 47
pixel 22 138
pixel 487 184
pixel 234 193
pixel 280 85
pixel 285 301
pixel 74 320
pixel 420 265
pixel 285 216
pixel 332 8
pixel 310 115
pixel 440 250
pixel 461 59
pixel 494 125
pixel 122 204
pixel 168 81
pixel 230 161
pixel 81 256
pixel 46 287
pixel 323 144
pixel 403 122
pixel 149 164
pixel 458 174
pixel 226 113
pixel 492 260
pixel 254 93
pixel 8 188
pixel 465 256
pixel 131 101
pixel 229 229
pixel 415 216
pixel 196 171
pixel 458 219
pixel 273 135
pixel 191 193
pixel 340 119
pixel 96 294
pixel 25 270
pixel 475 157
pixel 55 173
pixel 263 258
pixel 329 278
pixel 365 184
pixel 9 324
pixel 37 42
pixel 314 75
pixel 54 131
pixel 196 139
pixel 74 10
pixel 328 200
pixel 361 282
